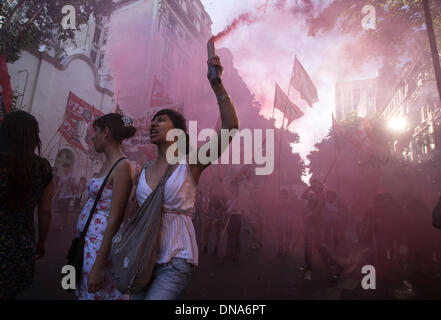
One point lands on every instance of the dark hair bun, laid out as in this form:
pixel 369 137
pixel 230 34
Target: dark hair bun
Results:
pixel 125 133
pixel 120 126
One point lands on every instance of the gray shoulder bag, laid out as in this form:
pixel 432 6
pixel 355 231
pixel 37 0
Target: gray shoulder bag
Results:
pixel 135 246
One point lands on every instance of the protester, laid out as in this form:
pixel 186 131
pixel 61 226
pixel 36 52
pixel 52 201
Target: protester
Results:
pixel 256 220
pixel 55 174
pixel 419 235
pixel 213 219
pixel 285 214
pixel 97 282
pixel 332 219
pixel 178 252
pixel 234 223
pixel 379 229
pixel 199 211
pixel 25 183
pixel 313 231
pixel 79 190
pixel 65 193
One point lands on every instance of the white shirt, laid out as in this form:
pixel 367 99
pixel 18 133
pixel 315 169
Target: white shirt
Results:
pixel 177 238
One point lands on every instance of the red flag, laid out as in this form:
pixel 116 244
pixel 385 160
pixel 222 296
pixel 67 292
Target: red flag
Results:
pixel 5 88
pixel 282 102
pixel 78 120
pixel 301 81
pixel 141 140
pixel 159 96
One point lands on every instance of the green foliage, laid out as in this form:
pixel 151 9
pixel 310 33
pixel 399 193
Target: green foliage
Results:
pixel 353 172
pixel 27 24
pixel 398 30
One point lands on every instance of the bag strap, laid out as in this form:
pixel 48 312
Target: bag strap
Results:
pixel 98 196
pixel 167 174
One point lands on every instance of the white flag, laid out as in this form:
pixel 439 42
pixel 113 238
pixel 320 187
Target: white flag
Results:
pixel 282 102
pixel 303 84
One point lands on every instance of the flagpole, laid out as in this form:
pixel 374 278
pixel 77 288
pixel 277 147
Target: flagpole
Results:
pixel 61 135
pixel 283 119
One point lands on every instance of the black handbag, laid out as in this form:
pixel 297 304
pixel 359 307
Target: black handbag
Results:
pixel 75 255
pixel 436 215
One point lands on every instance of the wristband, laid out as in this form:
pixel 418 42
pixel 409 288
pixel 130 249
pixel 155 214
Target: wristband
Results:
pixel 222 98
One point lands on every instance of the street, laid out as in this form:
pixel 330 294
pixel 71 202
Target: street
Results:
pixel 259 274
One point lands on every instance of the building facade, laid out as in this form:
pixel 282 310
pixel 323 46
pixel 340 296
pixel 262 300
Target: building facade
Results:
pixel 355 98
pixel 46 84
pixel 417 103
pixel 173 39
pixel 170 50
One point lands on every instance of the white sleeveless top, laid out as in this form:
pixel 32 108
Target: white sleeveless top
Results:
pixel 177 238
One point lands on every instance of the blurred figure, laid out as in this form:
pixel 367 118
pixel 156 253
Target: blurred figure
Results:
pixel 234 224
pixel 65 193
pixel 25 183
pixel 200 207
pixel 379 221
pixel 285 223
pixel 256 220
pixel 420 235
pixel 332 220
pixel 56 175
pixel 80 188
pixel 313 231
pixel 213 218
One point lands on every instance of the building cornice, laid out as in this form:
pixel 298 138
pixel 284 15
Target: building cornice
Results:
pixel 64 64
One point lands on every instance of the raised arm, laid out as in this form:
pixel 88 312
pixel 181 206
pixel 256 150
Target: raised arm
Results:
pixel 123 179
pixel 228 116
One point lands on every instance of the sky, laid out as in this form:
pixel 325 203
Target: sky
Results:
pixel 264 54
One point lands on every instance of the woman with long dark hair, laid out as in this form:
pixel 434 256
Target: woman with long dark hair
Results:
pixel 25 183
pixel 178 251
pixel 97 281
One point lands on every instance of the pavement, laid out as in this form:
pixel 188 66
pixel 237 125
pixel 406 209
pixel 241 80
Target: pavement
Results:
pixel 260 274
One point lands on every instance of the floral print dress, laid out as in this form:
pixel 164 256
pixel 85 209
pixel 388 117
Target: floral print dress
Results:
pixel 93 239
pixel 17 233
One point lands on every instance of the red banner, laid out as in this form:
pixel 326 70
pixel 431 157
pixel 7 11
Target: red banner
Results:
pixel 5 88
pixel 77 124
pixel 159 96
pixel 141 140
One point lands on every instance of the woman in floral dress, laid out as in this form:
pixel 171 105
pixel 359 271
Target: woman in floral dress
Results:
pixel 97 281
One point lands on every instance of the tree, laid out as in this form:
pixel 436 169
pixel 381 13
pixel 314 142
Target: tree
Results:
pixel 358 174
pixel 398 33
pixel 28 24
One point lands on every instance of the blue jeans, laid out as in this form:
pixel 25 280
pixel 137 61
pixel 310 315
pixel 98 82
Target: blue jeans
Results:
pixel 169 281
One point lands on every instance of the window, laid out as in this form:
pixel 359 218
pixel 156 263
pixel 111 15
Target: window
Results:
pixel 184 5
pixel 101 62
pixel 105 36
pixel 97 36
pixel 93 56
pixel 171 24
pixel 197 25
